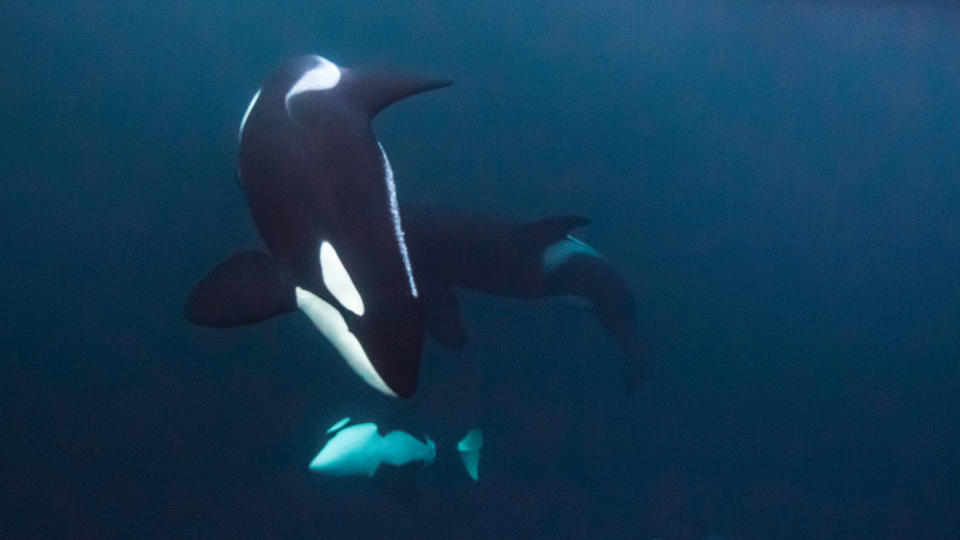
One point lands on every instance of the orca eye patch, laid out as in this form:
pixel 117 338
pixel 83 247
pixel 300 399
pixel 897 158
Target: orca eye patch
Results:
pixel 337 280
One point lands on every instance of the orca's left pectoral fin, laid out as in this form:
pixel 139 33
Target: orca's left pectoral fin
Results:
pixel 244 289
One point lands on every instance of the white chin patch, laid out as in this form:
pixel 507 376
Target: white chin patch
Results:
pixel 246 115
pixel 331 324
pixel 324 76
pixel 337 280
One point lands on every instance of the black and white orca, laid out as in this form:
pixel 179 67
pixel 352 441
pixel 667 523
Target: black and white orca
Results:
pixel 321 192
pixel 510 257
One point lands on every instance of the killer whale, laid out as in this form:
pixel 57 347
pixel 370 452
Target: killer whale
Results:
pixel 320 190
pixel 505 256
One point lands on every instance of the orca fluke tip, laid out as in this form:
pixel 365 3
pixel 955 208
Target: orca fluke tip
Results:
pixel 469 448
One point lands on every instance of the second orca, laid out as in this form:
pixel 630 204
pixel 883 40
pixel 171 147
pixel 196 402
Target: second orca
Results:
pixel 506 256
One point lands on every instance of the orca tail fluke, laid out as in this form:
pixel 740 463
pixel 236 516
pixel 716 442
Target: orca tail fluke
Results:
pixel 575 269
pixel 469 447
pixel 244 289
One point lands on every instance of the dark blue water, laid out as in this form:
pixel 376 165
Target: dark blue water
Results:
pixel 777 180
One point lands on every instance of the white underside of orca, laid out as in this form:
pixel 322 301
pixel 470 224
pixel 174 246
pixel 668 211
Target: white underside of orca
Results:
pixel 332 325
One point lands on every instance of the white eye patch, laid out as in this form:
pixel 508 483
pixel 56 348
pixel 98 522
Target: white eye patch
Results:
pixel 337 280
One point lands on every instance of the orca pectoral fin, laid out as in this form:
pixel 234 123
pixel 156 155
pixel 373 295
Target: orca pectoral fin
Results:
pixel 542 233
pixel 244 289
pixel 443 317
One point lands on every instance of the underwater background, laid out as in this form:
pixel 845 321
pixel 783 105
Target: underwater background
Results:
pixel 777 180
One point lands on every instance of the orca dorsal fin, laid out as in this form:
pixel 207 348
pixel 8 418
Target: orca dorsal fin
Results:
pixel 376 89
pixel 244 289
pixel 542 233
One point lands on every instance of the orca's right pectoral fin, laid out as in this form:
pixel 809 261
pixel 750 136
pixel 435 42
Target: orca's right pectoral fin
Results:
pixel 244 289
